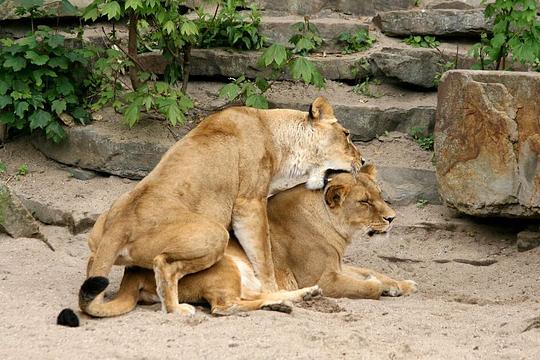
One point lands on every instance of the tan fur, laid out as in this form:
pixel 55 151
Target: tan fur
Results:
pixel 218 177
pixel 310 231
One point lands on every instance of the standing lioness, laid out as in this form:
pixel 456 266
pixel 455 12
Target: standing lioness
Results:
pixel 219 176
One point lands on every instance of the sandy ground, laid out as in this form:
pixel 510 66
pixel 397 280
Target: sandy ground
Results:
pixel 462 310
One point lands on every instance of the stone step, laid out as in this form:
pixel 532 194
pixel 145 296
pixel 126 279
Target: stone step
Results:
pixel 414 66
pixel 278 29
pixel 355 7
pixel 110 146
pixel 433 22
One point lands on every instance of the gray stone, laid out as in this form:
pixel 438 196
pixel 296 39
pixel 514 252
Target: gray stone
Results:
pixel 415 66
pixel 433 22
pixel 451 4
pixel 229 63
pixel 487 142
pixel 356 7
pixel 81 174
pixel 15 220
pixel 404 186
pixel 279 29
pixel 111 146
pixel 53 8
pixel 527 240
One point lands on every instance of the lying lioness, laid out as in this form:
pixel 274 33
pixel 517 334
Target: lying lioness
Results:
pixel 310 231
pixel 176 221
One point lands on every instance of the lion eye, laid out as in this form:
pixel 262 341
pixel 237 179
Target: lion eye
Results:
pixel 346 132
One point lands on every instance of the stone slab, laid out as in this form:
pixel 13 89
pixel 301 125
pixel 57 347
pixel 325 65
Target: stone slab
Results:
pixel 433 22
pixel 405 186
pixel 356 7
pixel 487 142
pixel 15 220
pixel 53 7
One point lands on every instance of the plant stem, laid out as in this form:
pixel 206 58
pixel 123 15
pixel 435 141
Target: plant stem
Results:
pixel 185 67
pixel 132 50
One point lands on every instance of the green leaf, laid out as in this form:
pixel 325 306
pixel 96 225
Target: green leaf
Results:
pixel 39 119
pixel 5 100
pixel 38 74
pixel 189 28
pixel 55 132
pixel 68 8
pixel 301 68
pixel 3 167
pixel 4 87
pixel 229 91
pixel 81 114
pixel 174 114
pixel 20 108
pixel 275 54
pixel 112 10
pixel 55 41
pixel 35 58
pixel 59 106
pixel 168 27
pixel 132 113
pixel 133 4
pixel 7 118
pixel 59 62
pixel 64 86
pixel 14 62
pixel 91 13
pixel 257 101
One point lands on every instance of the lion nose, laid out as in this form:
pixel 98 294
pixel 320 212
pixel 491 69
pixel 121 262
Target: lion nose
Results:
pixel 389 219
pixel 362 161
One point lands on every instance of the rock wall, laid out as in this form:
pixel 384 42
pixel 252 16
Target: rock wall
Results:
pixel 487 142
pixel 356 7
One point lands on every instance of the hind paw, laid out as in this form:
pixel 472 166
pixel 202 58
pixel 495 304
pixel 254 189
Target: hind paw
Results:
pixel 312 292
pixel 408 287
pixel 281 306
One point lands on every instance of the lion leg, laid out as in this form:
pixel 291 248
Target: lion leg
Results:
pixel 250 225
pixel 341 285
pixel 391 287
pixel 197 247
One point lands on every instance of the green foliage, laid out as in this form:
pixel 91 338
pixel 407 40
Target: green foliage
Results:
pixel 364 88
pixel 250 92
pixel 22 170
pixel 422 41
pixel 421 203
pixel 41 79
pixel 359 40
pixel 3 167
pixel 231 28
pixel 306 39
pixel 516 33
pixel 425 141
pixel 443 67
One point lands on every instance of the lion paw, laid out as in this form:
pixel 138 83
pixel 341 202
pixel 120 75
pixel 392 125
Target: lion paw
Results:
pixel 408 287
pixel 281 306
pixel 184 310
pixel 312 292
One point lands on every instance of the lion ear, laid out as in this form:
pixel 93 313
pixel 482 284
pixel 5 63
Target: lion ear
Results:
pixel 335 195
pixel 321 109
pixel 369 170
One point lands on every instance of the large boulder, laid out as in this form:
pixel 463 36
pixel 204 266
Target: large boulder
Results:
pixel 487 143
pixel 433 22
pixel 15 220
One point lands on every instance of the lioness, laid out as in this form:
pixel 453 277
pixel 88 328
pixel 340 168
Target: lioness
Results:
pixel 310 231
pixel 176 221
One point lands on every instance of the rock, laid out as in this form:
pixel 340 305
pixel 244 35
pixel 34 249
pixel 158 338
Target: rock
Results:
pixel 81 174
pixel 15 220
pixel 433 22
pixel 487 143
pixel 229 63
pixel 111 146
pixel 451 4
pixel 279 29
pixel 356 7
pixel 404 186
pixel 527 240
pixel 52 8
pixel 415 66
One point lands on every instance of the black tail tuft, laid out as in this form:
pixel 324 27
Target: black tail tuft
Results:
pixel 67 317
pixel 92 287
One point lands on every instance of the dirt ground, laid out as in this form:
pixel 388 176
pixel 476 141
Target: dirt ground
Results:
pixel 476 296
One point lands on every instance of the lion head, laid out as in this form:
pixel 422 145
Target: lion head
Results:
pixel 334 149
pixel 355 204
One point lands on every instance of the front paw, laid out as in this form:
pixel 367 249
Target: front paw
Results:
pixel 407 287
